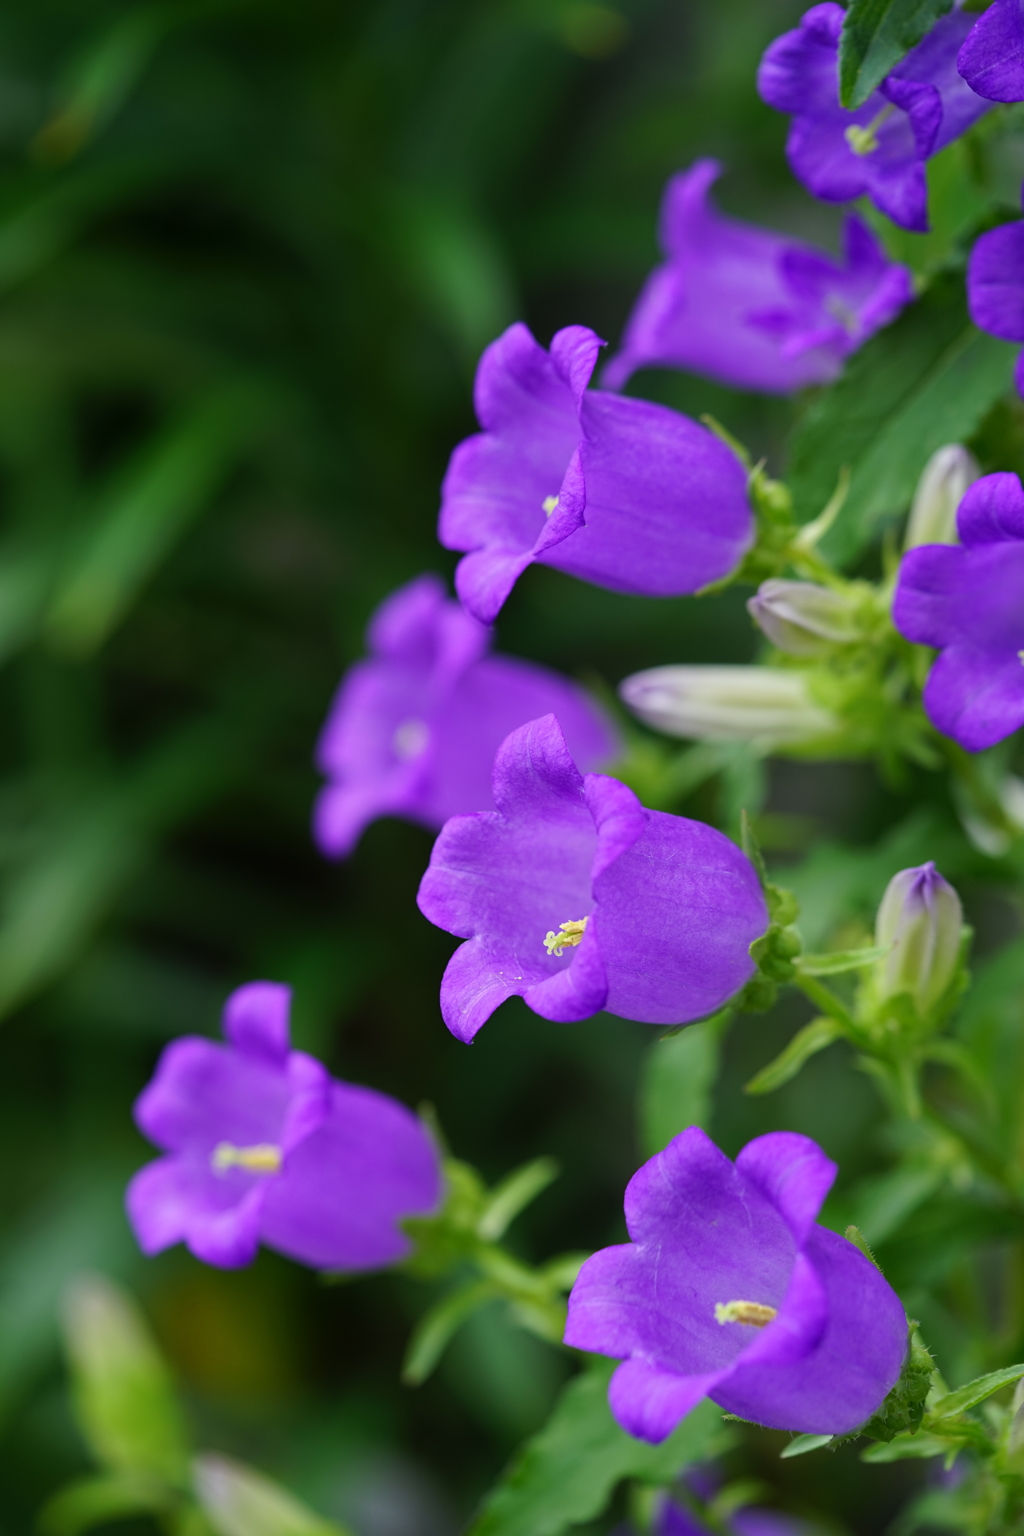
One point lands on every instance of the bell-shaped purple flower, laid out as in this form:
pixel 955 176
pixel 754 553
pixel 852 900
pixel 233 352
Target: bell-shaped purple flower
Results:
pixel 574 897
pixel 992 57
pixel 752 308
pixel 730 1290
pixel 995 286
pixel 672 1519
pixel 965 599
pixel 413 730
pixel 878 150
pixel 263 1146
pixel 619 492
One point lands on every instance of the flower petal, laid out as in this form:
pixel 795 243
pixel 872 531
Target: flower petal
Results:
pixel 845 1378
pixel 202 1093
pixel 344 1189
pixel 650 1402
pixel 975 697
pixel 793 1173
pixel 992 57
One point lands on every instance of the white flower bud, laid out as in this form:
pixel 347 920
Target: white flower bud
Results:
pixel 940 490
pixel 802 618
pixel 765 705
pixel 919 921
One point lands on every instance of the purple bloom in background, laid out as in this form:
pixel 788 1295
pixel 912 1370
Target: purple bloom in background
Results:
pixel 622 493
pixel 995 286
pixel 992 58
pixel 730 1290
pixel 878 150
pixel 413 730
pixel 966 600
pixel 673 1520
pixel 575 898
pixel 752 308
pixel 262 1145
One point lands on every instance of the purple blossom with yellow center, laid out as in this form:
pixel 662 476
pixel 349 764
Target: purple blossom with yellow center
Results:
pixel 731 1290
pixel 965 600
pixel 413 729
pixel 622 493
pixel 879 150
pixel 752 308
pixel 995 286
pixel 574 897
pixel 992 57
pixel 262 1145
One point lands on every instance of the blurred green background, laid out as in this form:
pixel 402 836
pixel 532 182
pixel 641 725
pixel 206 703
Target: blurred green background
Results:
pixel 249 254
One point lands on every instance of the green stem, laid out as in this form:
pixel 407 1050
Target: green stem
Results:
pixel 827 1001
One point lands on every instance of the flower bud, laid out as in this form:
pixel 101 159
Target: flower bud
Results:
pixel 940 490
pixel 919 921
pixel 802 618
pixel 765 705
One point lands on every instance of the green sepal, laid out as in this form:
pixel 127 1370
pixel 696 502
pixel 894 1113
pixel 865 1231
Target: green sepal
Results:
pixel 902 1411
pixel 807 1042
pixel 801 1444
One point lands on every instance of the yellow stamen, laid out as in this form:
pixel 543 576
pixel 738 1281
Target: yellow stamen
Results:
pixel 1020 657
pixel 549 504
pixel 753 1313
pixel 569 935
pixel 262 1158
pixel 864 141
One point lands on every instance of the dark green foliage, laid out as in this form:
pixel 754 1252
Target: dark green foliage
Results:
pixel 876 35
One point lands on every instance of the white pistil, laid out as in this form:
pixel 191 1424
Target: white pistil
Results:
pixel 264 1157
pixel 754 1313
pixel 568 936
pixel 410 739
pixel 549 504
pixel 864 141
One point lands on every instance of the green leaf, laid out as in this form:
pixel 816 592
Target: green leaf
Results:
pixel 101 79
pixel 678 1076
pixel 124 1398
pixel 567 1472
pixel 834 962
pixel 438 1326
pixel 146 509
pixel 885 1203
pixel 926 380
pixel 807 1042
pixel 801 1444
pixel 974 1392
pixel 514 1194
pixel 95 1500
pixel 917 1447
pixel 241 1502
pixel 876 35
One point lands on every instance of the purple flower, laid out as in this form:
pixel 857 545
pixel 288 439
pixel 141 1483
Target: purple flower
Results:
pixel 673 1520
pixel 619 492
pixel 575 898
pixel 878 150
pixel 752 308
pixel 992 57
pixel 995 286
pixel 965 599
pixel 264 1146
pixel 730 1290
pixel 413 730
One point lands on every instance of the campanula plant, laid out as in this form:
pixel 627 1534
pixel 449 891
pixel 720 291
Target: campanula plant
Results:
pixel 847 1271
pixel 413 730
